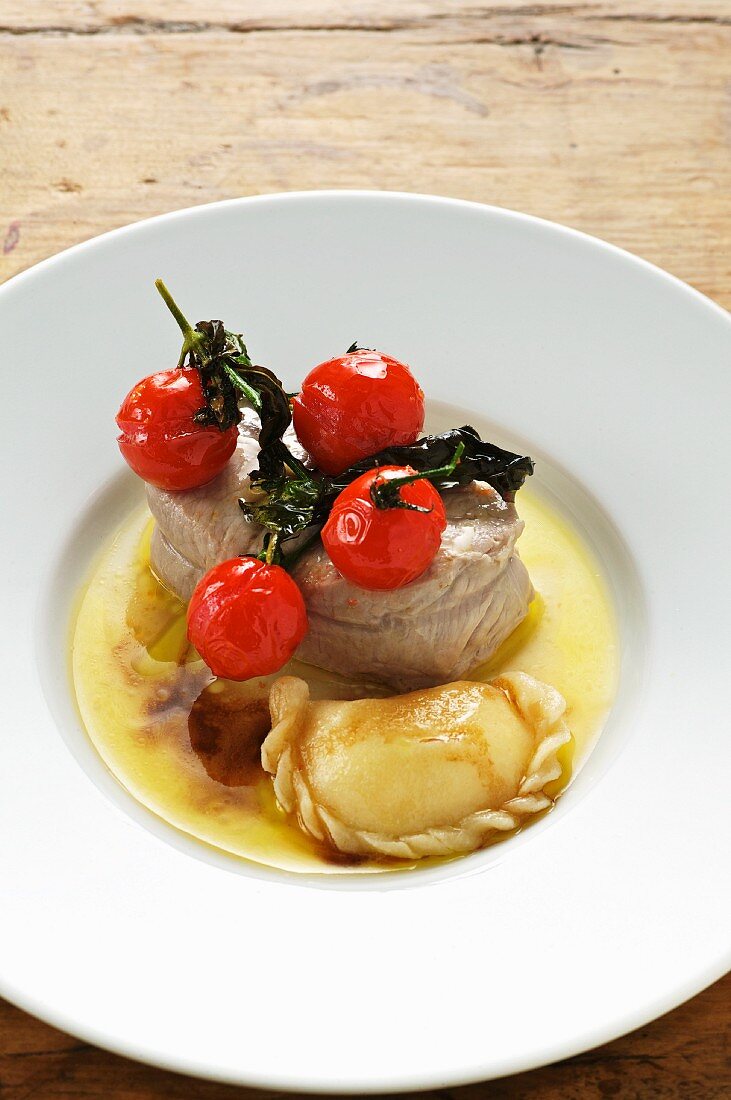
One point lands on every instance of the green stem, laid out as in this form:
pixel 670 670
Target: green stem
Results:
pixel 248 391
pixel 272 548
pixel 294 464
pixel 384 492
pixel 191 338
pixel 292 557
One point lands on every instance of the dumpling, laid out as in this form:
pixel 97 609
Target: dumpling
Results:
pixel 434 772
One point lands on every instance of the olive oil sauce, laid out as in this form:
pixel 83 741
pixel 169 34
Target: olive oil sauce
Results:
pixel 187 745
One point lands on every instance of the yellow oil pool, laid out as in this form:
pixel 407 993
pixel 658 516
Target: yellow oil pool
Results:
pixel 187 746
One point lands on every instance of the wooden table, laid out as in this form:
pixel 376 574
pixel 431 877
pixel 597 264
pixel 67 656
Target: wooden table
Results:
pixel 612 117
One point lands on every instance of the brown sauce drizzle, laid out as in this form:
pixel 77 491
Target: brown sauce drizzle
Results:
pixel 226 734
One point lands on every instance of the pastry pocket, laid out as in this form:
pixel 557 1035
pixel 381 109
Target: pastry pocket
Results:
pixel 435 772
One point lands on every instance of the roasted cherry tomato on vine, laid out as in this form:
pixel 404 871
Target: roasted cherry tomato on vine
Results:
pixel 355 405
pixel 384 547
pixel 246 618
pixel 160 439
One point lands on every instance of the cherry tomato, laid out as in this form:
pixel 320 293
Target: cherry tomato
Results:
pixel 161 441
pixel 246 618
pixel 383 548
pixel 355 405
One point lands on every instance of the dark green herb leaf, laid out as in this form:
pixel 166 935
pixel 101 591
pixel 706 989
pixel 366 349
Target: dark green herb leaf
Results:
pixel 480 461
pixel 289 506
pixel 276 416
pixel 217 349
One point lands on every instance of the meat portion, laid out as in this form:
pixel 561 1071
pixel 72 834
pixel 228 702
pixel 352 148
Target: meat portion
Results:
pixel 198 528
pixel 434 630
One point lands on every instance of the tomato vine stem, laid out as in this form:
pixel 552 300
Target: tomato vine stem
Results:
pixel 191 339
pixel 385 493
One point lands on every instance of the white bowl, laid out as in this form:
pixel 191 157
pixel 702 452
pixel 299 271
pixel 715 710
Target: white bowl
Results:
pixel 610 911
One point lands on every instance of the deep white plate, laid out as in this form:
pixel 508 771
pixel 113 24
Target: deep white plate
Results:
pixel 607 913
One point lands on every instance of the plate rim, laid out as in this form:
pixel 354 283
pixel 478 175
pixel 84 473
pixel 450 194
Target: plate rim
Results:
pixel 411 1082
pixel 363 192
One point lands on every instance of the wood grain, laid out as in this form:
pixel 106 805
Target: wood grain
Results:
pixel 612 117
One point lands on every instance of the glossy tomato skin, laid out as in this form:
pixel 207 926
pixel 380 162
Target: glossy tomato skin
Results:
pixel 384 548
pixel 159 438
pixel 246 618
pixel 355 405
